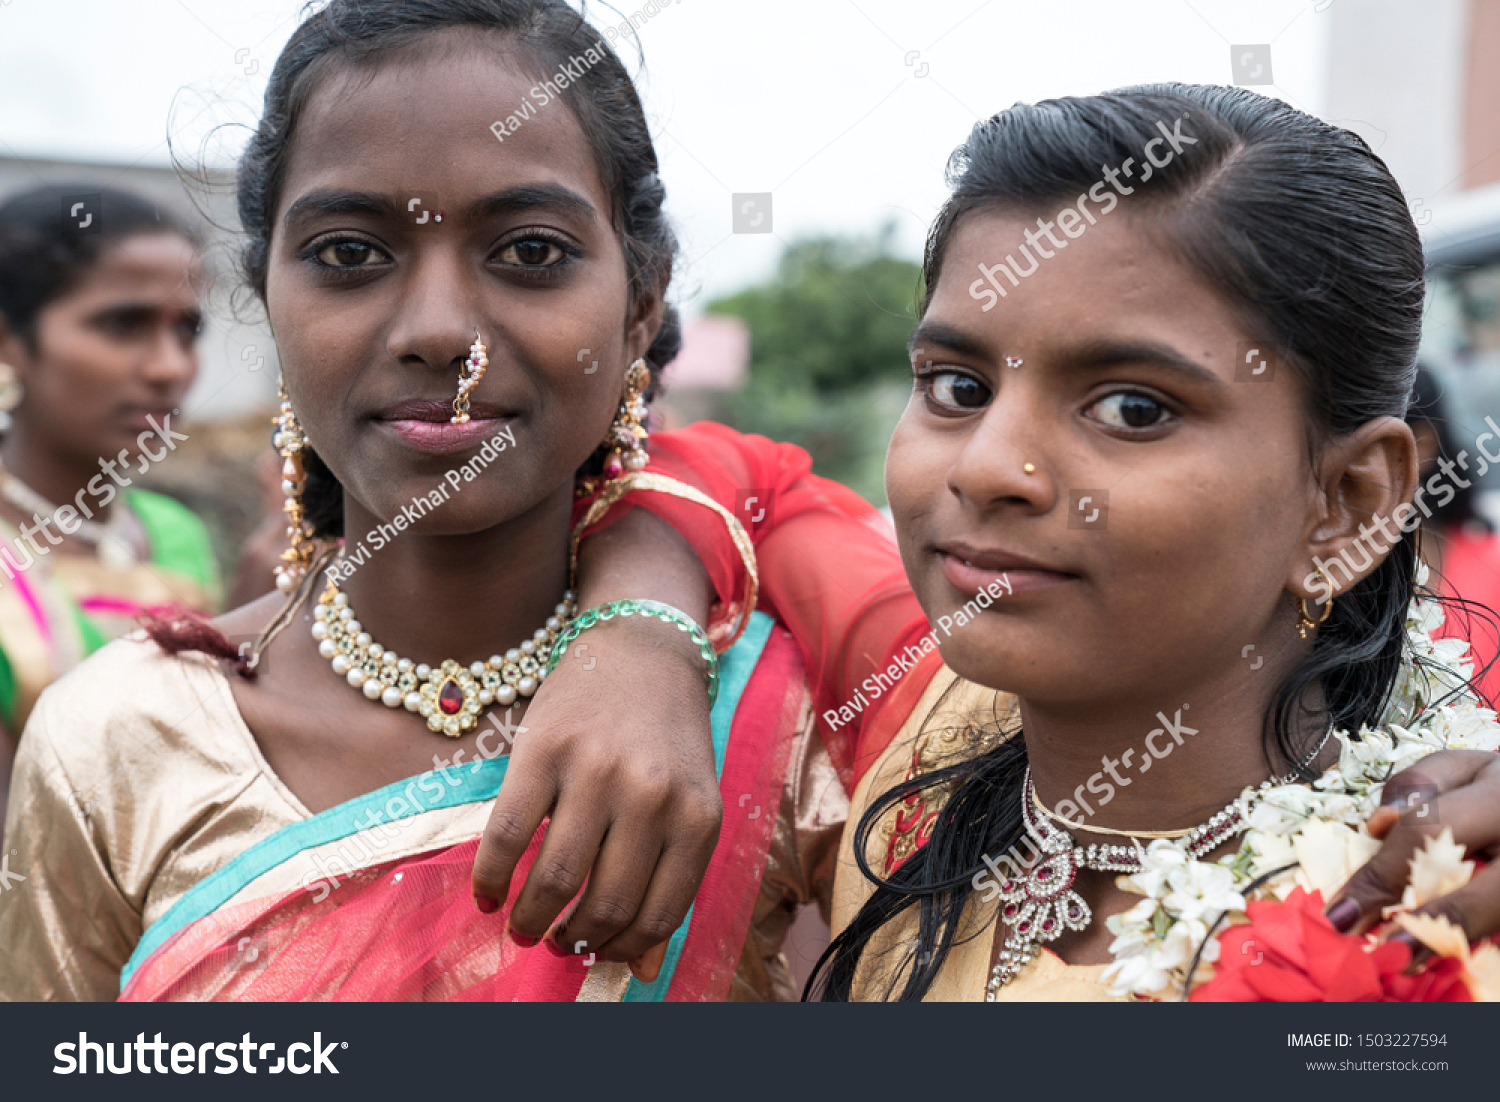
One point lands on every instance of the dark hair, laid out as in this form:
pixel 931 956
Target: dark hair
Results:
pixel 1302 228
pixel 365 33
pixel 43 255
pixel 1429 407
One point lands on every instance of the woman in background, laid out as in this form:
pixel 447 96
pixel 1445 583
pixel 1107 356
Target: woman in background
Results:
pixel 99 325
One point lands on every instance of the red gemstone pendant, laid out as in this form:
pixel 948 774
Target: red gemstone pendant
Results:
pixel 450 698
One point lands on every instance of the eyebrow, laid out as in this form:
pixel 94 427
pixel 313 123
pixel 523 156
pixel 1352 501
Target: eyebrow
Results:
pixel 1093 356
pixel 530 197
pixel 950 337
pixel 511 201
pixel 1097 355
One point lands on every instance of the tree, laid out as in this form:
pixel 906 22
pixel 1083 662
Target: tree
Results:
pixel 828 363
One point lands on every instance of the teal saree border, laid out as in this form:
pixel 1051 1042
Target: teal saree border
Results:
pixel 333 825
pixel 472 785
pixel 735 668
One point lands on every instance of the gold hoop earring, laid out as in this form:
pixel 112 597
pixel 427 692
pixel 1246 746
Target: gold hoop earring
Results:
pixel 468 379
pixel 626 439
pixel 1306 622
pixel 289 441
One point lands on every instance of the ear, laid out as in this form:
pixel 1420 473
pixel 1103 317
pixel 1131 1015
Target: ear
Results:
pixel 1363 509
pixel 648 307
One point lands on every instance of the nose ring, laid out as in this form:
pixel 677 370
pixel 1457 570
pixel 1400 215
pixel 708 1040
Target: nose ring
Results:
pixel 469 378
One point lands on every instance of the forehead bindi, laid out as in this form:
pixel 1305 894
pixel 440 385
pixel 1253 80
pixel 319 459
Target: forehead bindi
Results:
pixel 421 123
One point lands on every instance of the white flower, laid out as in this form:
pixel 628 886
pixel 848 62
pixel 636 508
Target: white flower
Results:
pixel 1316 833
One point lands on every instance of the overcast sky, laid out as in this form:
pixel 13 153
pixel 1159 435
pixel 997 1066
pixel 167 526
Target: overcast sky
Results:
pixel 845 110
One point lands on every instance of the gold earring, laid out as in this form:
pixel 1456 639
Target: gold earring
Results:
pixel 468 379
pixel 11 388
pixel 626 439
pixel 1306 622
pixel 289 441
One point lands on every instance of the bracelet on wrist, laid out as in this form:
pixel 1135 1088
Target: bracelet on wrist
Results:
pixel 630 607
pixel 742 604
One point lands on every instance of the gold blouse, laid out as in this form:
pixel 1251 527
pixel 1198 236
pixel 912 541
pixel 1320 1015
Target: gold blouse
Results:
pixel 953 721
pixel 137 777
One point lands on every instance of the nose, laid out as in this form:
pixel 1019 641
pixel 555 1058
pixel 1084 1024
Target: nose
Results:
pixel 172 363
pixel 1004 462
pixel 438 316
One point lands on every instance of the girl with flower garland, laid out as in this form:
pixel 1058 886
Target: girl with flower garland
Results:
pixel 1174 436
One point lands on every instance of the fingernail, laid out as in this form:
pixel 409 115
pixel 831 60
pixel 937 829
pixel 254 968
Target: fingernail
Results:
pixel 523 940
pixel 1419 951
pixel 486 905
pixel 1343 915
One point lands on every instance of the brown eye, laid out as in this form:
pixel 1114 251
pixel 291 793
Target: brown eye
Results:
pixel 350 254
pixel 1129 410
pixel 952 391
pixel 532 252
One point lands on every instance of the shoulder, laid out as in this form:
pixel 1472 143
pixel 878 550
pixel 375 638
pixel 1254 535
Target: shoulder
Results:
pixel 127 710
pixel 954 721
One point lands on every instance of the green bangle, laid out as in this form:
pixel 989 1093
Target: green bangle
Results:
pixel 585 620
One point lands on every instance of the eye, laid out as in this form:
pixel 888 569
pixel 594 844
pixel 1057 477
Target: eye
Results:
pixel 350 252
pixel 1129 410
pixel 954 391
pixel 188 329
pixel 533 252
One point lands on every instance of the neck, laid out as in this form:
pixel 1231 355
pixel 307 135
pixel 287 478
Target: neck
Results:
pixel 58 476
pixel 1166 760
pixel 431 598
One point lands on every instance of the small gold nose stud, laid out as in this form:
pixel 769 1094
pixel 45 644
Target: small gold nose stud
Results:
pixel 1029 468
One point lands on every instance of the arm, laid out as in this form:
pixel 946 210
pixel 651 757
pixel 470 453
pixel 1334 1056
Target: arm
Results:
pixel 65 927
pixel 619 753
pixel 829 571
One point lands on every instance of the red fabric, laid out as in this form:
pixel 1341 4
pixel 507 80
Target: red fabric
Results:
pixel 1290 952
pixel 829 568
pixel 408 930
pixel 755 766
pixel 1471 570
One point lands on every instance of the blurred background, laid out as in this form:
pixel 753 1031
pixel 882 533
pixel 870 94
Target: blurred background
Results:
pixel 803 145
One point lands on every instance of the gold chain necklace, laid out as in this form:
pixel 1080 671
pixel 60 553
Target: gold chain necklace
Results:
pixel 451 697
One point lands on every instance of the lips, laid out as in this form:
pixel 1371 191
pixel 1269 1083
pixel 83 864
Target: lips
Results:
pixel 423 409
pixel 140 417
pixel 427 425
pixel 971 569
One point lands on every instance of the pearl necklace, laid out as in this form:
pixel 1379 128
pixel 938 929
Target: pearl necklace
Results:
pixel 110 537
pixel 1041 903
pixel 449 696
